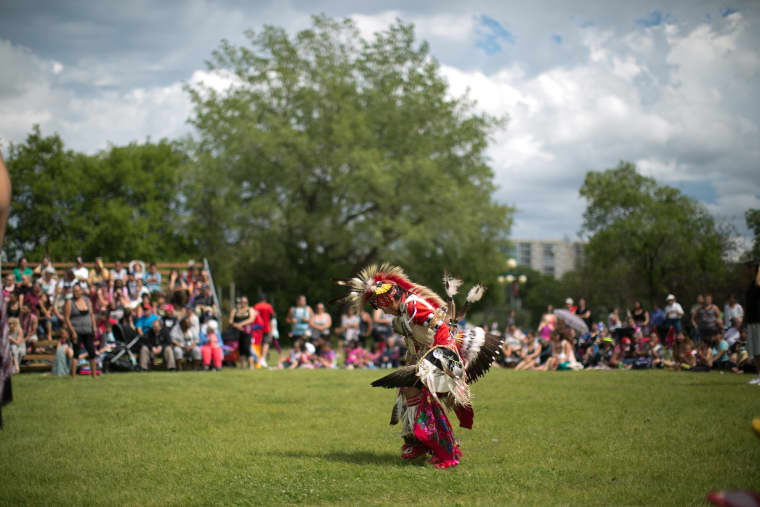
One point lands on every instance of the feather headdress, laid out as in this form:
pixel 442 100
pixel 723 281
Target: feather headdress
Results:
pixel 375 280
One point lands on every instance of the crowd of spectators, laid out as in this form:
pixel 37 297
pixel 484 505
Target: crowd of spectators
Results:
pixel 177 323
pixel 703 339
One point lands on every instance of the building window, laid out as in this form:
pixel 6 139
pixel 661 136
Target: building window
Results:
pixel 523 254
pixel 549 251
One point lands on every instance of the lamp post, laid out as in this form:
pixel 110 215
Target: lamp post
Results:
pixel 512 280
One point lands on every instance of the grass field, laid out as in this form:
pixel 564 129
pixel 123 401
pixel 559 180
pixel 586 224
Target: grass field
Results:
pixel 264 437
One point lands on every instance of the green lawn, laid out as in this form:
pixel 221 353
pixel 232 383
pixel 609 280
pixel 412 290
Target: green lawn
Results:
pixel 263 437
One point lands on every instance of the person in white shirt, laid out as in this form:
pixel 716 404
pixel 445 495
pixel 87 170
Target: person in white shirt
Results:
pixel 118 272
pixel 732 311
pixel 673 313
pixel 81 273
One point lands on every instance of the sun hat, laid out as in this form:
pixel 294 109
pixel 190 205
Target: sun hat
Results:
pixel 569 301
pixel 670 296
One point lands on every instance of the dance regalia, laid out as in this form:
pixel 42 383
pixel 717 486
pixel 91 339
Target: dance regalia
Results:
pixel 442 359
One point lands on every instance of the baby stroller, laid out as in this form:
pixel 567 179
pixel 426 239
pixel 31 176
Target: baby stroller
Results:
pixel 121 357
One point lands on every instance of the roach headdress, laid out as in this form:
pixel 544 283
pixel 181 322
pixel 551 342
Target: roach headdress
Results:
pixel 379 285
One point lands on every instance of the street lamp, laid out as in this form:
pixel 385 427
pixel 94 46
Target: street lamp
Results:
pixel 511 279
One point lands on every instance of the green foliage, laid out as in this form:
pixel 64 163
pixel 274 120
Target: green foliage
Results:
pixel 752 217
pixel 647 239
pixel 322 437
pixel 328 152
pixel 121 203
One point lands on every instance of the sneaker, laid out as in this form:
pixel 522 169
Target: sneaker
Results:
pixel 755 381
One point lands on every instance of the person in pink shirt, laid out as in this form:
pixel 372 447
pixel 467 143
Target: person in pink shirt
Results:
pixel 211 351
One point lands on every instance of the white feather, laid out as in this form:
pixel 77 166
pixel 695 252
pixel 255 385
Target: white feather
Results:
pixel 451 284
pixel 475 293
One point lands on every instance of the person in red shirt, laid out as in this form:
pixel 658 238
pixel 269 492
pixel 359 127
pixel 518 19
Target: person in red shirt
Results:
pixel 265 313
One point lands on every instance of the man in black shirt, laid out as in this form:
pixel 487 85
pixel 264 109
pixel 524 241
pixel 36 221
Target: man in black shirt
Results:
pixel 752 316
pixel 155 342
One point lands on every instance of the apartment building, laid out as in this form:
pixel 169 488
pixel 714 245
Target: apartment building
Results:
pixel 550 257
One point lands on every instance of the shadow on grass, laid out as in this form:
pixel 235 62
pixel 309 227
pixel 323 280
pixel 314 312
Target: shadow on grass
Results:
pixel 351 457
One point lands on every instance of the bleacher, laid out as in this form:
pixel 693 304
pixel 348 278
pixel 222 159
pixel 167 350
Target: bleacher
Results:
pixel 44 351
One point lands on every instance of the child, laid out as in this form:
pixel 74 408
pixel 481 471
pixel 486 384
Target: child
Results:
pixel 18 345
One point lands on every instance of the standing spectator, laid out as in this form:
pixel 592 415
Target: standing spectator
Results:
pixel 118 272
pixel 299 317
pixel 706 320
pixel 549 318
pixel 320 323
pixel 673 313
pixel 99 275
pixel 640 317
pixel 570 306
pixel 80 320
pixel 22 269
pixel 18 344
pixel 381 326
pixel 752 316
pixel 81 273
pixel 42 266
pixel 152 279
pixel 658 320
pixel 28 321
pixel 731 311
pixel 45 316
pixel 583 312
pixel 240 318
pixel 365 326
pixel 266 312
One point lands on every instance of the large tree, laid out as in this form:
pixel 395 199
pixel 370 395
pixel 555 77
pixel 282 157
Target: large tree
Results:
pixel 120 203
pixel 328 151
pixel 647 239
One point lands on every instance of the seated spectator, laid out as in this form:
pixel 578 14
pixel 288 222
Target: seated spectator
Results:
pixel 152 279
pixel 81 273
pixel 684 353
pixel 661 357
pixel 48 282
pixel 156 342
pixel 391 355
pixel 211 350
pixel 293 358
pixel 18 344
pixel 45 314
pixel 552 362
pixel 9 285
pixel 704 357
pixel 613 320
pixel 118 272
pixel 204 304
pixel 137 268
pixel 24 289
pixel 512 346
pixel 66 282
pixel 22 269
pixel 600 356
pixel 39 271
pixel 186 345
pixel 326 357
pixel 732 311
pixel 145 319
pixel 721 355
pixel 623 355
pixel 643 352
pixel 99 275
pixel 176 282
pixel 530 355
pixel 354 355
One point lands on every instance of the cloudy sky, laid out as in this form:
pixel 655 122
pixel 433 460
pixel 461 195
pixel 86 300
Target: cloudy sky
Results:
pixel 671 86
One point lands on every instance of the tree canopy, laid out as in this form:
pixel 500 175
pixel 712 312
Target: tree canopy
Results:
pixel 327 152
pixel 648 239
pixel 752 217
pixel 120 203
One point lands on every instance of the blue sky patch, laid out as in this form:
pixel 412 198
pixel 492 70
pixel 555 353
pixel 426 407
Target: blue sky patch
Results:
pixel 557 38
pixel 653 19
pixel 703 191
pixel 491 35
pixel 727 12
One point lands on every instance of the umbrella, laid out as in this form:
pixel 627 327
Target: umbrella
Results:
pixel 572 320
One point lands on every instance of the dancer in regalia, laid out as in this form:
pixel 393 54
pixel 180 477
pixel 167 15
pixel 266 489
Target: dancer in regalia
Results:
pixel 442 359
